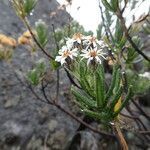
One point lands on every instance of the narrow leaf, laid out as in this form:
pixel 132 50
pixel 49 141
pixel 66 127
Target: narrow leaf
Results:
pixel 124 103
pixel 114 5
pixel 107 5
pixel 118 32
pixel 98 116
pixel 112 85
pixel 118 81
pixel 29 5
pixel 100 88
pixel 83 97
pixel 116 98
pixel 42 33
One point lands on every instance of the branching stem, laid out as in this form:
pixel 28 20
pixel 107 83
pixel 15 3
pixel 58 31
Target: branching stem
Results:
pixel 124 28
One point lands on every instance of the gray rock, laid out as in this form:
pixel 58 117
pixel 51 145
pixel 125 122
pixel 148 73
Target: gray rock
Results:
pixel 24 120
pixel 12 102
pixel 52 125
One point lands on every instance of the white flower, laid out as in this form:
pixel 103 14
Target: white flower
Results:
pixel 77 37
pixel 70 43
pixel 90 40
pixel 93 54
pixel 65 53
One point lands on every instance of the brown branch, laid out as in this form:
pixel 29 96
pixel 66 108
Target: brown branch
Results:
pixel 138 121
pixel 36 41
pixel 125 1
pixel 119 134
pixel 141 110
pixel 145 132
pixel 57 71
pixel 84 123
pixel 103 19
pixel 52 102
pixel 124 28
pixel 128 116
pixel 55 38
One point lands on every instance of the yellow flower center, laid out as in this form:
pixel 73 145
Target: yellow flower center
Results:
pixel 93 53
pixel 66 53
pixel 77 36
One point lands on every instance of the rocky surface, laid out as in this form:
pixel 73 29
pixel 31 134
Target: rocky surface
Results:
pixel 25 122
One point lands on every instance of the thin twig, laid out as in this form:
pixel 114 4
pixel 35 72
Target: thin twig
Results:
pixel 120 136
pixel 103 19
pixel 131 113
pixel 57 71
pixel 138 121
pixel 51 102
pixel 128 116
pixel 36 41
pixel 140 109
pixel 55 38
pixel 124 28
pixel 144 132
pixel 71 79
pixel 84 123
pixel 57 86
pixel 125 1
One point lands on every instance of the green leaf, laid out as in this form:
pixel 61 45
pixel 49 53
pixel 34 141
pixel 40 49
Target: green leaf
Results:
pixel 112 85
pixel 122 42
pixel 86 86
pixel 99 31
pixel 84 82
pixel 118 32
pixel 131 55
pixel 80 104
pixel 33 77
pixel 100 87
pixel 92 114
pixel 107 5
pixel 117 81
pixel 82 69
pixel 98 116
pixel 109 19
pixel 42 33
pixel 114 5
pixel 55 65
pixel 29 5
pixel 124 103
pixel 83 97
pixel 40 67
pixel 116 98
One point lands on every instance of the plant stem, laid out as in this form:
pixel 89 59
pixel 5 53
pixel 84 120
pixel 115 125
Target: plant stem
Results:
pixel 124 28
pixel 120 136
pixel 36 41
pixel 82 122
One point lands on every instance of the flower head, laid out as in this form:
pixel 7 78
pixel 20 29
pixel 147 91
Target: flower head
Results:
pixel 93 54
pixel 65 53
pixel 90 40
pixel 77 37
